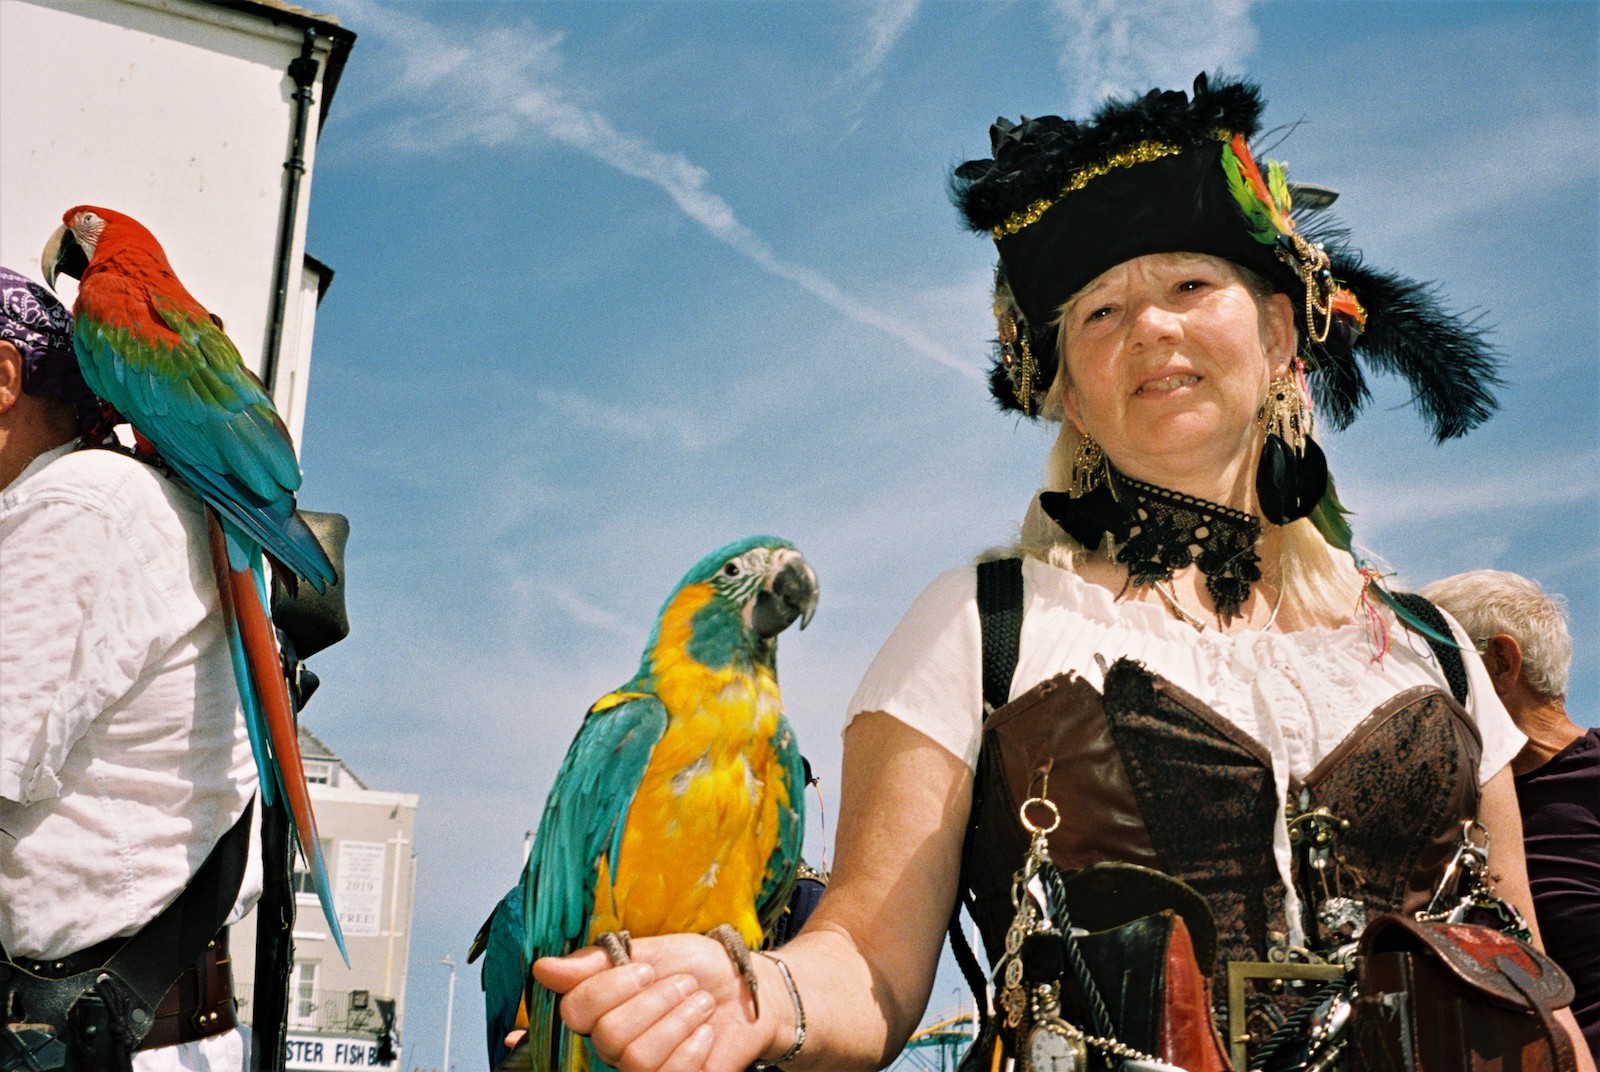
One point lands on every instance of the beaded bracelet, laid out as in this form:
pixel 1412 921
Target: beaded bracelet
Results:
pixel 799 1017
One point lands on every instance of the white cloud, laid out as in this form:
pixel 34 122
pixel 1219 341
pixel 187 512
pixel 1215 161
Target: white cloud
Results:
pixel 1537 484
pixel 637 423
pixel 1487 167
pixel 888 21
pixel 1115 48
pixel 592 615
pixel 499 86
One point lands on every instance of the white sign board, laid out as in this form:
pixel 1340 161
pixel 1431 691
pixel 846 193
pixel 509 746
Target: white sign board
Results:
pixel 358 892
pixel 325 1053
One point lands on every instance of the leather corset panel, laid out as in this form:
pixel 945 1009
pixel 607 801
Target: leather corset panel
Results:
pixel 1145 773
pixel 1405 779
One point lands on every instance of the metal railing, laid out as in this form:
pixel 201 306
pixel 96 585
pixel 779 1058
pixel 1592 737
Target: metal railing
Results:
pixel 330 1011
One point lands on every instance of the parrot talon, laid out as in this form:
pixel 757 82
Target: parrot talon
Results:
pixel 738 952
pixel 618 946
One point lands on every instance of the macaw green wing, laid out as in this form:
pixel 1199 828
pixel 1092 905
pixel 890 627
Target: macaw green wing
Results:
pixel 182 385
pixel 784 863
pixel 583 822
pixel 187 390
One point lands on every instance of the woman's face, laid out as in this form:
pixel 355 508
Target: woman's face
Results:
pixel 1168 358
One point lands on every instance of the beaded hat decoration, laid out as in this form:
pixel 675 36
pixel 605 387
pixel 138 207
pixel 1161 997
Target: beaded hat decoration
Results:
pixel 1172 172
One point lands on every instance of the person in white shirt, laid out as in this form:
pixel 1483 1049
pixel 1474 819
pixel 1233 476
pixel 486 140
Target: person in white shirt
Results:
pixel 124 758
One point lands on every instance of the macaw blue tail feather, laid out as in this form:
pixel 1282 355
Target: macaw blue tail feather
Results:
pixel 242 595
pixel 254 720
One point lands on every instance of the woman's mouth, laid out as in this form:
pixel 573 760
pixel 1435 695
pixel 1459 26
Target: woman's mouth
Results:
pixel 1166 383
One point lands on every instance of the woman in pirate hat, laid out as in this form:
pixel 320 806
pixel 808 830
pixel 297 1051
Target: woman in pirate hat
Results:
pixel 1181 714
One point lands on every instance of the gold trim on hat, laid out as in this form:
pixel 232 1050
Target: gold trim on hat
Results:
pixel 1142 153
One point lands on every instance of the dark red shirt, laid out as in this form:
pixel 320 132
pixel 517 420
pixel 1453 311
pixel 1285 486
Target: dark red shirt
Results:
pixel 1560 805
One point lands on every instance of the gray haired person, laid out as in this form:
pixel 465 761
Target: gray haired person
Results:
pixel 1521 632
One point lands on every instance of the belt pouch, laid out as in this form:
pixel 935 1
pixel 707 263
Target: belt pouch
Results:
pixel 1453 997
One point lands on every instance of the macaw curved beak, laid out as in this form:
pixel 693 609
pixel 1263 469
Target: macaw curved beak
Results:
pixel 62 256
pixel 791 592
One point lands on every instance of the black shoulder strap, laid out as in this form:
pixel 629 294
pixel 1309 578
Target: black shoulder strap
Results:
pixel 1000 623
pixel 1449 656
pixel 1000 627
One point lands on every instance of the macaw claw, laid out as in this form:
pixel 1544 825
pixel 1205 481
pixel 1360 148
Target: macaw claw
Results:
pixel 739 953
pixel 618 946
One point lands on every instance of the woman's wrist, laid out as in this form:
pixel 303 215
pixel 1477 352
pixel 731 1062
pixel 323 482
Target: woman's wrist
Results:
pixel 787 1011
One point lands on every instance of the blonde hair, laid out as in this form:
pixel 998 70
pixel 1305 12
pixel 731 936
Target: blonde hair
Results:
pixel 1314 576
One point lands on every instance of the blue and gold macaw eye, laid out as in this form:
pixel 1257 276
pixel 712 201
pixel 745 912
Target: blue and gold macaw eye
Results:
pixel 733 569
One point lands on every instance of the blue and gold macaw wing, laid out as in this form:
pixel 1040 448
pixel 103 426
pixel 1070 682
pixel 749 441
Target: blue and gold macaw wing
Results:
pixel 778 883
pixel 582 827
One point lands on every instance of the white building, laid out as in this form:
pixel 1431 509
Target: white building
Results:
pixel 189 116
pixel 200 119
pixel 367 837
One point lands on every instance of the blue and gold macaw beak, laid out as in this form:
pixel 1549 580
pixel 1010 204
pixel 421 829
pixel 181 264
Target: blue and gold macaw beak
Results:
pixel 791 592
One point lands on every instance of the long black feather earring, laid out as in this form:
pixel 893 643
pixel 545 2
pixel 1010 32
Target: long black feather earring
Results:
pixel 1292 476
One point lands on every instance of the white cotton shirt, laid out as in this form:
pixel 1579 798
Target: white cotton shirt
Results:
pixel 123 751
pixel 1297 694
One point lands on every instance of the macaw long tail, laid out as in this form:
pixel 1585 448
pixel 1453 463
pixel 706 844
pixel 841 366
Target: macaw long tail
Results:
pixel 243 605
pixel 254 721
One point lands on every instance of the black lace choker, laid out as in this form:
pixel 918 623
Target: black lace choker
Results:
pixel 1157 531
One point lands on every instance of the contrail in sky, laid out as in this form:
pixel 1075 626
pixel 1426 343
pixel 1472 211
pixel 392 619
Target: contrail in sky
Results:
pixel 500 87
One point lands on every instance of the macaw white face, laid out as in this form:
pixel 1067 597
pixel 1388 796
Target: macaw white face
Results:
pixel 740 578
pixel 86 226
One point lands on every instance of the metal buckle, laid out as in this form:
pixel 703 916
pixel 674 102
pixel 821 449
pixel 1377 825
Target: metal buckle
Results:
pixel 1241 972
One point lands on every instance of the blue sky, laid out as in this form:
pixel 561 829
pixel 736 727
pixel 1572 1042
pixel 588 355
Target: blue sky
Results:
pixel 620 282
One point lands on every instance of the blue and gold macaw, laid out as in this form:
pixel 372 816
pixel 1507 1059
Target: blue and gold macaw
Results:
pixel 679 806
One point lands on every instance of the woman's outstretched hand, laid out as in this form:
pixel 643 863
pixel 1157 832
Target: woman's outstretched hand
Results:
pixel 680 1006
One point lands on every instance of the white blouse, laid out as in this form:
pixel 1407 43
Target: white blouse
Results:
pixel 123 752
pixel 1297 694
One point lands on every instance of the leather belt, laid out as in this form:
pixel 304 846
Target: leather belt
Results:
pixel 199 1005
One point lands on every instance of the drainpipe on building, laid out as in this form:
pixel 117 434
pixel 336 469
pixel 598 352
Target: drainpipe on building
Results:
pixel 303 73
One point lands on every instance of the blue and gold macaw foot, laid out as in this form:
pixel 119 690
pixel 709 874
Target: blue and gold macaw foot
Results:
pixel 738 952
pixel 618 946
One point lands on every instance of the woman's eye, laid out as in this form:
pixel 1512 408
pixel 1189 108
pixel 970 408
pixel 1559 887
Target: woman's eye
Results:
pixel 1097 314
pixel 1189 285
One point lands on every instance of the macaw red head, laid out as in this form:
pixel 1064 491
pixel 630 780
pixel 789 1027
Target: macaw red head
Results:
pixel 83 230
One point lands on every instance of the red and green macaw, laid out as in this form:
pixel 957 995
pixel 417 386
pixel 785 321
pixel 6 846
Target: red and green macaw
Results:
pixel 679 806
pixel 162 362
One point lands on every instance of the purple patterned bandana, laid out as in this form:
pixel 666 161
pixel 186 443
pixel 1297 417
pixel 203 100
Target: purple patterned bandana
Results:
pixel 34 321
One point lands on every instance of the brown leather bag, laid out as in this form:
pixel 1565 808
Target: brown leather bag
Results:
pixel 1453 997
pixel 1150 945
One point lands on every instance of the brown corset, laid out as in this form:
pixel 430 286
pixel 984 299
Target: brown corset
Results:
pixel 1145 773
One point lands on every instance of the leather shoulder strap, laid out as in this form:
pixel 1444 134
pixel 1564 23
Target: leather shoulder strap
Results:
pixel 1000 623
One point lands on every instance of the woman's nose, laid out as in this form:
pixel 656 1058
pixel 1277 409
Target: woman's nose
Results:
pixel 1155 322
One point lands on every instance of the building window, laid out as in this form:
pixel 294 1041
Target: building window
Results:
pixel 303 995
pixel 300 878
pixel 321 772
